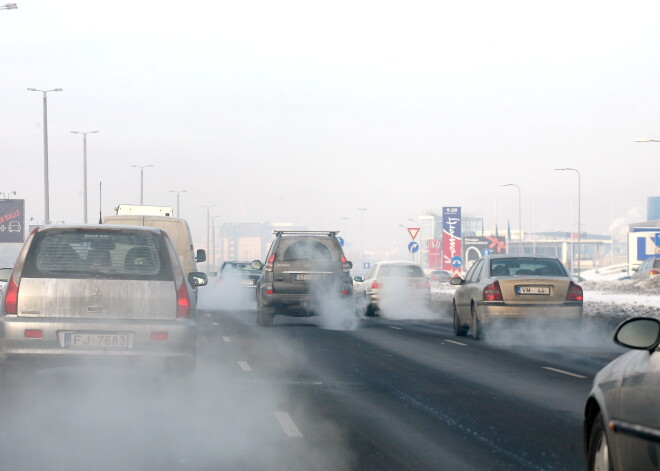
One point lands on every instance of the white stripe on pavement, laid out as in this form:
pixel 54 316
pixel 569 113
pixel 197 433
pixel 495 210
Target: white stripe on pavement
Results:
pixel 457 343
pixel 287 424
pixel 392 327
pixel 244 366
pixel 215 323
pixel 568 373
pixel 226 339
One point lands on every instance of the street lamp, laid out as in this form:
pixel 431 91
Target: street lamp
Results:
pixel 142 167
pixel 522 249
pixel 177 199
pixel 8 6
pixel 208 235
pixel 579 222
pixel 646 140
pixel 84 134
pixel 362 210
pixel 7 195
pixel 46 190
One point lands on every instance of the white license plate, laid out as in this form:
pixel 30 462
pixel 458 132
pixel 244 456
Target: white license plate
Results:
pixel 544 290
pixel 306 276
pixel 248 282
pixel 95 340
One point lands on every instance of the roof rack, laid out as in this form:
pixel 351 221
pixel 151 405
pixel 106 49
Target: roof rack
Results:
pixel 330 233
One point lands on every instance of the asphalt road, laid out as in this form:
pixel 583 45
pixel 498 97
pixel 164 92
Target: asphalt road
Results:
pixel 389 395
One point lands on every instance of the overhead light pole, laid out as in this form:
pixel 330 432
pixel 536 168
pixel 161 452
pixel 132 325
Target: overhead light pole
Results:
pixel 208 233
pixel 84 134
pixel 178 192
pixel 46 188
pixel 8 6
pixel 142 167
pixel 520 232
pixel 362 210
pixel 579 254
pixel 647 140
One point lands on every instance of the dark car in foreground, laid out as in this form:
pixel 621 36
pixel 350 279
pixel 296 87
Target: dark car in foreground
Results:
pixel 305 271
pixel 622 413
pixel 100 291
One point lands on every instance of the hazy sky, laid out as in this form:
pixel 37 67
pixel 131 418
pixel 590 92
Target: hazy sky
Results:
pixel 305 111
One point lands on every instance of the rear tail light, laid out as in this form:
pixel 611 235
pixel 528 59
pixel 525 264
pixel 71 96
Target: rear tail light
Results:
pixel 376 285
pixel 182 301
pixel 423 285
pixel 159 336
pixel 492 292
pixel 344 264
pixel 574 293
pixel 346 289
pixel 33 333
pixel 654 272
pixel 11 298
pixel 270 262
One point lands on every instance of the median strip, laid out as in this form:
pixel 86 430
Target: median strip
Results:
pixel 567 373
pixel 287 424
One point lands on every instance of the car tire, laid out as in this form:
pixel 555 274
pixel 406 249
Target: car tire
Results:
pixel 265 316
pixel 599 451
pixel 477 326
pixel 459 329
pixel 370 311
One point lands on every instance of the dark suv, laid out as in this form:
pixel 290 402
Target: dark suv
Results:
pixel 305 272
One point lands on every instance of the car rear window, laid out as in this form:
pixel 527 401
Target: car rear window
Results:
pixel 307 249
pixel 242 268
pixel 656 263
pixel 402 271
pixel 94 253
pixel 520 266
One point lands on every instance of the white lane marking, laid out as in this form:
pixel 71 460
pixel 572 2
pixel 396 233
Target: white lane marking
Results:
pixel 287 424
pixel 568 373
pixel 226 339
pixel 244 366
pixel 392 327
pixel 215 323
pixel 208 315
pixel 457 343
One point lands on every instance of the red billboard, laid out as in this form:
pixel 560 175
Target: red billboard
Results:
pixel 452 259
pixel 435 254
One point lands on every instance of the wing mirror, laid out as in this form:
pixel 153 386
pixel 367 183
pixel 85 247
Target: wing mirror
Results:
pixel 197 278
pixel 256 265
pixel 359 279
pixel 640 333
pixel 201 255
pixel 457 280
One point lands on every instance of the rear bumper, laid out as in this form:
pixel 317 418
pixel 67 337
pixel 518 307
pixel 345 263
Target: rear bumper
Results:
pixel 180 341
pixel 488 311
pixel 302 305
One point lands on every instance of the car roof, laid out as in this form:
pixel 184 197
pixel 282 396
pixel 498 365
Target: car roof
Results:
pixel 113 227
pixel 515 255
pixel 397 262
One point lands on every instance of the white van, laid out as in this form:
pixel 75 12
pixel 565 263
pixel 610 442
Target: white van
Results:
pixel 176 228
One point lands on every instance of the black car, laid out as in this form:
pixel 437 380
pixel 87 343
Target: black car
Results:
pixel 304 271
pixel 235 273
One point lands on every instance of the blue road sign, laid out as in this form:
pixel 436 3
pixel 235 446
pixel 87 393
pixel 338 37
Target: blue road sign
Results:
pixel 456 261
pixel 413 247
pixel 657 239
pixel 341 241
pixel 366 265
pixel 485 252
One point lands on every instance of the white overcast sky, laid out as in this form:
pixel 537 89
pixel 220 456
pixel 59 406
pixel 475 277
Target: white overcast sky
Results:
pixel 305 111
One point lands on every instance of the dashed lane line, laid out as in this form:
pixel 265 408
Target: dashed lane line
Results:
pixel 288 426
pixel 215 324
pixel 567 373
pixel 244 366
pixel 455 342
pixel 392 327
pixel 226 339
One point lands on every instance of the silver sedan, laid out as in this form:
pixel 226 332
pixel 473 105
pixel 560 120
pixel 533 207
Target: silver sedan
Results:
pixel 506 287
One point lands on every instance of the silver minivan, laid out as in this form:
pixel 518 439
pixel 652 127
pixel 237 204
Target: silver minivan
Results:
pixel 100 291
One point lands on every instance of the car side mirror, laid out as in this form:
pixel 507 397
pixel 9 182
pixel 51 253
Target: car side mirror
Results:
pixel 197 278
pixel 635 269
pixel 457 280
pixel 256 265
pixel 640 333
pixel 350 264
pixel 201 255
pixel 359 279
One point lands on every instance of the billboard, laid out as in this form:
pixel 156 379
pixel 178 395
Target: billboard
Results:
pixel 435 254
pixel 12 221
pixel 476 247
pixel 452 259
pixel 643 243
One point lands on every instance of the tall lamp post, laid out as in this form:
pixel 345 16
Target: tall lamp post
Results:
pixel 579 254
pixel 142 167
pixel 520 232
pixel 84 134
pixel 46 189
pixel 178 192
pixel 208 233
pixel 362 210
pixel 8 6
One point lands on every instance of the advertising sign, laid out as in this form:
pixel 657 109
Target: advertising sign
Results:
pixel 435 254
pixel 12 221
pixel 451 240
pixel 476 247
pixel 643 244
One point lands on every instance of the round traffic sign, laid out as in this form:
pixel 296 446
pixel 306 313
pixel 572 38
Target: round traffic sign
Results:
pixel 413 247
pixel 485 252
pixel 456 261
